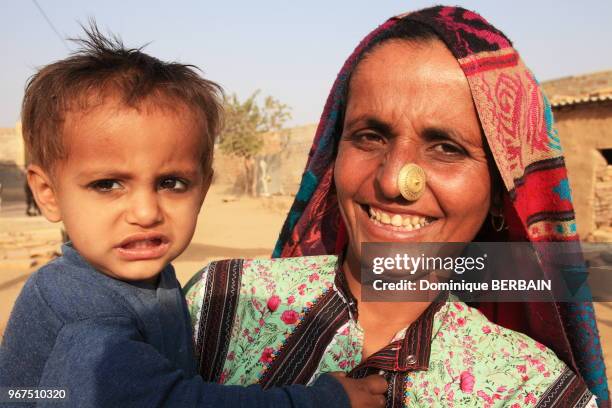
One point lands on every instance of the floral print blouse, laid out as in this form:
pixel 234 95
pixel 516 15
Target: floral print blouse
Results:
pixel 282 321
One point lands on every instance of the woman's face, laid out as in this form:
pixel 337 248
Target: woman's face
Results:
pixel 411 103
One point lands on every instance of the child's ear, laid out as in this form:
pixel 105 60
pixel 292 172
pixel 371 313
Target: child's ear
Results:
pixel 44 192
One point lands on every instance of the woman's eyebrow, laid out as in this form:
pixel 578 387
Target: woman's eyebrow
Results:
pixel 373 123
pixel 436 134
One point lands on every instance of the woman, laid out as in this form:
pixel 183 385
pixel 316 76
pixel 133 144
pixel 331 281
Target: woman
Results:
pixel 443 92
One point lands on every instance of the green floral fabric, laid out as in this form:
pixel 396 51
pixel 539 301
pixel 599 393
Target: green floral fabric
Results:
pixel 473 362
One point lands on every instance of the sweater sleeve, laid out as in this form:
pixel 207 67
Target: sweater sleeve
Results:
pixel 106 362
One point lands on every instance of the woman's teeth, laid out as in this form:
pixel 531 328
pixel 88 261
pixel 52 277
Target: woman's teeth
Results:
pixel 407 222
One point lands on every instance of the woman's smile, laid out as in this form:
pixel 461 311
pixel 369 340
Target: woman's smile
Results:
pixel 402 221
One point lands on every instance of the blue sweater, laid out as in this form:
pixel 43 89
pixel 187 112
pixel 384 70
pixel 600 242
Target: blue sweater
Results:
pixel 111 343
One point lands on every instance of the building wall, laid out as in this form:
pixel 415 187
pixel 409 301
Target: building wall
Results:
pixel 12 160
pixel 11 146
pixel 285 154
pixel 584 130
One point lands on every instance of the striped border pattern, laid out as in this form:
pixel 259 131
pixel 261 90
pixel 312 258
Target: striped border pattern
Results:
pixel 487 61
pixel 219 306
pixel 567 391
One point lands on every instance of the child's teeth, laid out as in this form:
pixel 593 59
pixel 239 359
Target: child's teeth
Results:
pixel 396 221
pixel 142 244
pixel 414 220
pixel 145 243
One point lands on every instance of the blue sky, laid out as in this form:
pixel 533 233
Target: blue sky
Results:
pixel 290 50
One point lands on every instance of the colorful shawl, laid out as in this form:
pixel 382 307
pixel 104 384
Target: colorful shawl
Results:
pixel 518 126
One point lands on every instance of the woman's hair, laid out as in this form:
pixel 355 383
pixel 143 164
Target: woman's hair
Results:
pixel 415 32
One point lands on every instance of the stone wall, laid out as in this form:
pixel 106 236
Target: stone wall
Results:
pixel 11 146
pixel 285 154
pixel 602 207
pixel 586 131
pixel 12 163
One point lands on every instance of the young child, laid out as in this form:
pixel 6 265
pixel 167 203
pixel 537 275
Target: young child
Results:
pixel 121 146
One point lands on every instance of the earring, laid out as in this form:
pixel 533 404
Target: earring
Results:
pixel 498 222
pixel 411 181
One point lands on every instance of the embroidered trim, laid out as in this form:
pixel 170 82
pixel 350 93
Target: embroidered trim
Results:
pixel 395 398
pixel 415 346
pixel 219 306
pixel 567 391
pixel 551 216
pixel 477 64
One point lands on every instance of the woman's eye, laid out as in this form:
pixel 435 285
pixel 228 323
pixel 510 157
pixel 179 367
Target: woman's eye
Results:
pixel 368 139
pixel 371 137
pixel 174 184
pixel 105 186
pixel 449 149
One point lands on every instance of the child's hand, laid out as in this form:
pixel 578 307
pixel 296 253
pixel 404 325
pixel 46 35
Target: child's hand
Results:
pixel 366 392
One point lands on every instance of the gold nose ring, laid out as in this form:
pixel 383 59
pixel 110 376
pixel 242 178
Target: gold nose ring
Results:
pixel 411 181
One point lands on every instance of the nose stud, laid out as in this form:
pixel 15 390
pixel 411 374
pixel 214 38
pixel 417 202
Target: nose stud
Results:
pixel 411 181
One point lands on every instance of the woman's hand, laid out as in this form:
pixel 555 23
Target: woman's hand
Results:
pixel 366 392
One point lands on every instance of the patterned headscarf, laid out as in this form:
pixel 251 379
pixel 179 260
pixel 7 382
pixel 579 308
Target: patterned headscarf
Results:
pixel 518 125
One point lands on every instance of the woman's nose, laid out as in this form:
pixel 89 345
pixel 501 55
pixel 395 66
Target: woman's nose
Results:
pixel 144 209
pixel 389 169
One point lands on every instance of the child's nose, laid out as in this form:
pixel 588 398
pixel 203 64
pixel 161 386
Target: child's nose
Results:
pixel 144 209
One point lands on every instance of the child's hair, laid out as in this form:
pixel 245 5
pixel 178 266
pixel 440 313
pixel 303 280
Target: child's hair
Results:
pixel 104 67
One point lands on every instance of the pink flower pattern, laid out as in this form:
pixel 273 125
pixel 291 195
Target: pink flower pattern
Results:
pixel 290 316
pixel 267 355
pixel 273 303
pixel 466 382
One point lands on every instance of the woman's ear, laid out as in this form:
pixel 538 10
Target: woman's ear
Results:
pixel 44 192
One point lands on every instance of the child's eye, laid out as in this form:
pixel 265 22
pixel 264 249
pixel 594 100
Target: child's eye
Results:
pixel 172 183
pixel 105 186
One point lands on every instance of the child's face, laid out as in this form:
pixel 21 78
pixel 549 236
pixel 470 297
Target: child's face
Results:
pixel 130 191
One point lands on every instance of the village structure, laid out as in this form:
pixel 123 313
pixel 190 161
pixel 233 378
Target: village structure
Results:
pixel 12 163
pixel 582 106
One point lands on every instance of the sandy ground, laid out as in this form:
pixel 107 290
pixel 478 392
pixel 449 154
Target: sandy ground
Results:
pixel 228 227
